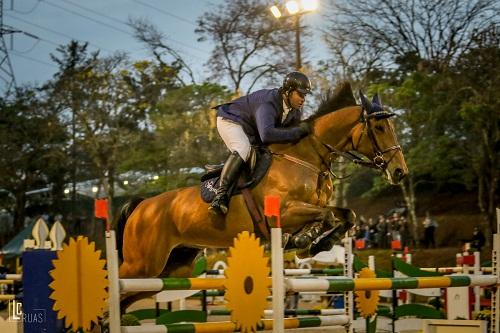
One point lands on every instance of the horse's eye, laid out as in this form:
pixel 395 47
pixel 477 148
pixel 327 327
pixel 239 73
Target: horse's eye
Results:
pixel 379 128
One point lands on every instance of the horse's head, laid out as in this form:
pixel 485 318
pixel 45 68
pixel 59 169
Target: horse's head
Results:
pixel 343 128
pixel 375 138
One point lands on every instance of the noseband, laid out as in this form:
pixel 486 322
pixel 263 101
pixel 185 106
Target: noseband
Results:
pixel 378 160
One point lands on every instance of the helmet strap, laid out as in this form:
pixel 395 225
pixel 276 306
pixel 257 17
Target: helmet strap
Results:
pixel 287 94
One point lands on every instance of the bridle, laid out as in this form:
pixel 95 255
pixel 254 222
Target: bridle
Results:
pixel 378 161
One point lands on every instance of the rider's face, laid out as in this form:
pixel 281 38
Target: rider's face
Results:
pixel 297 99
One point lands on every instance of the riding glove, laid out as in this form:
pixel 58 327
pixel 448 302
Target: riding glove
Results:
pixel 306 127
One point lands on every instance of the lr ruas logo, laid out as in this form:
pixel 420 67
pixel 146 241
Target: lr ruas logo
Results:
pixel 15 310
pixel 16 313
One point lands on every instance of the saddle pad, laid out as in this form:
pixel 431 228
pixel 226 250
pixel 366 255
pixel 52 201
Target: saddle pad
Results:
pixel 210 180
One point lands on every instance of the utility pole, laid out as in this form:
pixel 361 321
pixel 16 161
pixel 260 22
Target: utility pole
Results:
pixel 298 56
pixel 6 71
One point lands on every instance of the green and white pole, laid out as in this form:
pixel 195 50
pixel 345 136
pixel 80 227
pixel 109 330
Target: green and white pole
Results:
pixel 346 284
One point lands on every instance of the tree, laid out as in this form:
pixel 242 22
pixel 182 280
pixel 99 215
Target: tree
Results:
pixel 249 43
pixel 185 136
pixel 65 96
pixel 405 51
pixel 155 41
pixel 106 112
pixel 32 141
pixel 475 80
pixel 390 30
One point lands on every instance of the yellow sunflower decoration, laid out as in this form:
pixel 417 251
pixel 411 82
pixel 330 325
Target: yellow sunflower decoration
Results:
pixel 367 300
pixel 79 284
pixel 247 282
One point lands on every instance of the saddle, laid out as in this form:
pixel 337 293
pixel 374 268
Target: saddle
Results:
pixel 259 162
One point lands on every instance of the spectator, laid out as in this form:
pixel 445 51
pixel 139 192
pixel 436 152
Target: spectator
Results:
pixel 382 240
pixel 395 232
pixel 372 230
pixel 406 236
pixel 478 239
pixel 430 226
pixel 359 231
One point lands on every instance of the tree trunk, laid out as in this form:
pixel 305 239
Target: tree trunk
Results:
pixel 408 189
pixel 20 212
pixel 491 215
pixel 487 224
pixel 340 198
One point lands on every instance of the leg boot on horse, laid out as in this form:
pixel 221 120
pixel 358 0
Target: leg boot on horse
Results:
pixel 228 177
pixel 340 221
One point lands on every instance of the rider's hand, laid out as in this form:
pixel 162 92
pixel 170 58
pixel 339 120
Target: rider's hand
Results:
pixel 306 127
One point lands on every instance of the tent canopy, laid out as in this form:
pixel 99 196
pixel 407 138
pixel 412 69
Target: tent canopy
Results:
pixel 14 248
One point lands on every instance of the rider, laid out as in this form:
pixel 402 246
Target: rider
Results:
pixel 263 117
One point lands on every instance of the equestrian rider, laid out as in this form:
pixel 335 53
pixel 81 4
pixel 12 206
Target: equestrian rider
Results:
pixel 263 117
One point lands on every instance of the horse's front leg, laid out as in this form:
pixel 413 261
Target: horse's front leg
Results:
pixel 305 222
pixel 337 223
pixel 309 223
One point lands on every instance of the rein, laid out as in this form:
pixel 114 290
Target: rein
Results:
pixel 378 162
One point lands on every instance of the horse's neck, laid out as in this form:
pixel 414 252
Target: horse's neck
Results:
pixel 336 128
pixel 333 129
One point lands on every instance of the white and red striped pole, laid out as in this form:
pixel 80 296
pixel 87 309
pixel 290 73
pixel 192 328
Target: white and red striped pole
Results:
pixel 272 209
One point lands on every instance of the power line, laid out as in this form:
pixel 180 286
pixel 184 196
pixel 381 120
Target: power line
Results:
pixel 95 12
pixel 88 18
pixel 28 11
pixel 119 21
pixel 34 59
pixel 29 49
pixel 56 33
pixel 166 13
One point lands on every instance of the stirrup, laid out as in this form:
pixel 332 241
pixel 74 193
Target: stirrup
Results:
pixel 218 206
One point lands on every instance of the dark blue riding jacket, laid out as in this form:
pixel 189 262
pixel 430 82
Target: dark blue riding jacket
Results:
pixel 260 113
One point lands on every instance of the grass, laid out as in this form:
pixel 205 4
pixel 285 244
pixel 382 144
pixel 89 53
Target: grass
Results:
pixel 438 257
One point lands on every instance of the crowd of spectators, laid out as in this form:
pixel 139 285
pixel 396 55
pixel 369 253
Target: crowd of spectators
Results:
pixel 381 231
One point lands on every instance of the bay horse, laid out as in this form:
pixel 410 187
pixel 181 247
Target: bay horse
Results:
pixel 163 234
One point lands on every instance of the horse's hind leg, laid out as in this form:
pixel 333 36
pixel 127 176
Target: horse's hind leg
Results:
pixel 181 262
pixel 134 266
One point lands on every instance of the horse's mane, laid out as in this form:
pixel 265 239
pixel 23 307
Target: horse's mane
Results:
pixel 335 99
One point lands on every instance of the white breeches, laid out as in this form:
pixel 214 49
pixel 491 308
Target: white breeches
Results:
pixel 234 137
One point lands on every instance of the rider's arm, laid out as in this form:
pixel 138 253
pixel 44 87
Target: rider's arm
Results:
pixel 268 131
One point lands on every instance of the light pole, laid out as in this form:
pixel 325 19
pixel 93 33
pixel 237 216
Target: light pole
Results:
pixel 296 9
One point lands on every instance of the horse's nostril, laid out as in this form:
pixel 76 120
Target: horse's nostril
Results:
pixel 399 174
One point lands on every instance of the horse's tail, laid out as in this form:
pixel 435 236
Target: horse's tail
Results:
pixel 121 219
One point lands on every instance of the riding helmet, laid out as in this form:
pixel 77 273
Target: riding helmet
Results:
pixel 296 81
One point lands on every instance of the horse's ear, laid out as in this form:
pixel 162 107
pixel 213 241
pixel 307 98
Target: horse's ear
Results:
pixel 365 102
pixel 376 100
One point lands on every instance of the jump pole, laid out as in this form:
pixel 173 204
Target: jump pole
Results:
pixel 114 286
pixel 272 209
pixel 495 263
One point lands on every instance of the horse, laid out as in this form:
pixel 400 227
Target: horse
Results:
pixel 162 235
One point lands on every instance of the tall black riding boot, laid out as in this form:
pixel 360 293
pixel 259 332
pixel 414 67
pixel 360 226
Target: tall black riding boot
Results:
pixel 229 175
